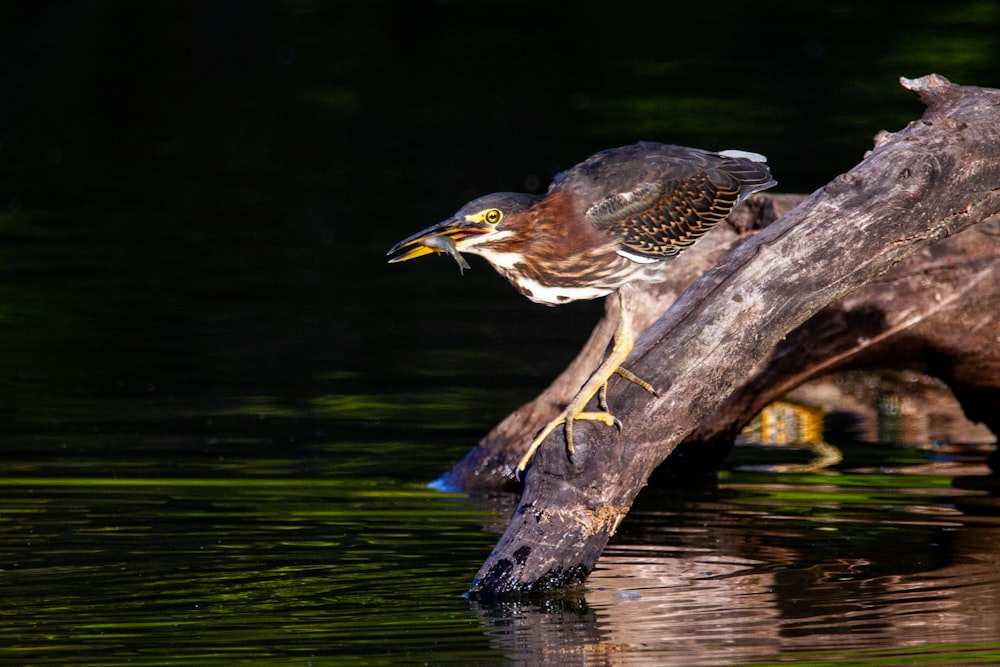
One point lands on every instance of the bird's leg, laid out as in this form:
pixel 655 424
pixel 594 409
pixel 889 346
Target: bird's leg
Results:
pixel 619 352
pixel 597 384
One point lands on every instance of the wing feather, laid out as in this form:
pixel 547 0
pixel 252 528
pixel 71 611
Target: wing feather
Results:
pixel 657 200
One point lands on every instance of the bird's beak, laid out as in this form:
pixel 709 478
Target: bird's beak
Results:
pixel 442 237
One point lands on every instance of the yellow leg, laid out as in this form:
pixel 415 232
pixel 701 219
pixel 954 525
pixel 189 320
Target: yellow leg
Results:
pixel 597 384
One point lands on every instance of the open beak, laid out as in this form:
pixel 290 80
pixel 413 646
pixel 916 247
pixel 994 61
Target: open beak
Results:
pixel 442 237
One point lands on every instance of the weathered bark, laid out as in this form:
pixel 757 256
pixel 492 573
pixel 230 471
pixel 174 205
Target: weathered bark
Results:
pixel 924 183
pixel 937 313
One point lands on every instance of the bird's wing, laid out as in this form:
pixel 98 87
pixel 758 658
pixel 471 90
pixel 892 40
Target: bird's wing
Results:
pixel 657 220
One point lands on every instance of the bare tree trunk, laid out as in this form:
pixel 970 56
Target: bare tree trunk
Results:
pixel 931 180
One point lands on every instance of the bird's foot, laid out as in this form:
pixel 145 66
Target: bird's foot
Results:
pixel 603 416
pixel 574 412
pixel 566 417
pixel 635 379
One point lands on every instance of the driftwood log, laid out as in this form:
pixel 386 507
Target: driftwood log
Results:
pixel 786 305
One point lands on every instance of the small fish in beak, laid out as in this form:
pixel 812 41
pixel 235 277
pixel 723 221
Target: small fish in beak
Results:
pixel 439 238
pixel 446 245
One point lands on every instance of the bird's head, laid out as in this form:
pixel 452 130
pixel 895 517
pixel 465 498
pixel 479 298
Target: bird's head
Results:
pixel 476 227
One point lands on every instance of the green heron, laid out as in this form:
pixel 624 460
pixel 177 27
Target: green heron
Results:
pixel 616 218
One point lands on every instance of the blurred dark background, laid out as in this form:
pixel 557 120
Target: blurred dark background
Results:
pixel 196 197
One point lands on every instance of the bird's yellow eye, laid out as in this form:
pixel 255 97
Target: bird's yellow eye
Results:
pixel 492 215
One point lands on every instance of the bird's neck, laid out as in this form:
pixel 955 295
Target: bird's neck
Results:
pixel 548 255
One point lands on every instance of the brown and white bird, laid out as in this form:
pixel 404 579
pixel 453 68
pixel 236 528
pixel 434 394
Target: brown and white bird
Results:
pixel 616 218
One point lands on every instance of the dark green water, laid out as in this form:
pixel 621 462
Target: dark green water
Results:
pixel 172 552
pixel 220 409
